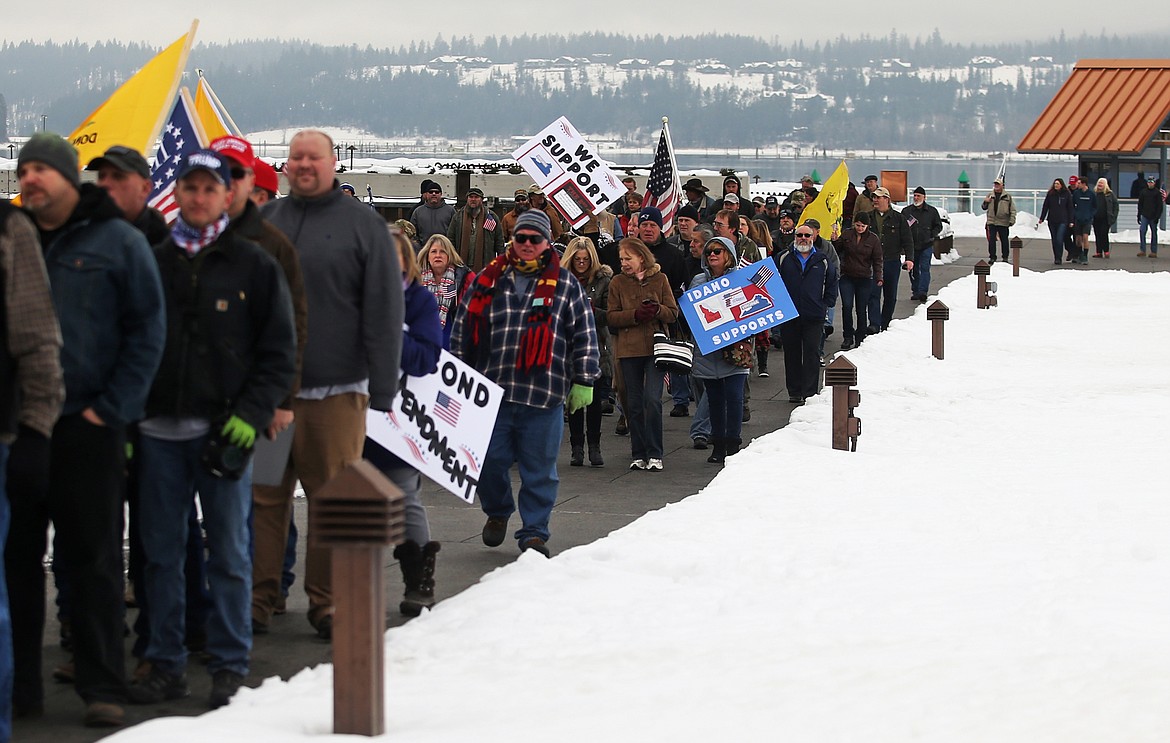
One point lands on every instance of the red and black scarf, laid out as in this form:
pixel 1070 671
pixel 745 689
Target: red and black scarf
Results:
pixel 536 340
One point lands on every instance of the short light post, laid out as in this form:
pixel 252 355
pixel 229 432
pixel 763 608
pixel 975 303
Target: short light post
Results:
pixel 985 290
pixel 938 313
pixel 841 375
pixel 1016 245
pixel 357 515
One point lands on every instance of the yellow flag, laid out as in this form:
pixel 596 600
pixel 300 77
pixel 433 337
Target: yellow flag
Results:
pixel 133 115
pixel 828 207
pixel 216 120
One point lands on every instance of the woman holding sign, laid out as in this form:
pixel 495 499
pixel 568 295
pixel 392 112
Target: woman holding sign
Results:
pixel 422 342
pixel 640 303
pixel 722 373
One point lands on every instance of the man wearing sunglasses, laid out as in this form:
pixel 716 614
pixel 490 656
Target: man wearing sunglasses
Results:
pixel 811 281
pixel 434 215
pixel 527 325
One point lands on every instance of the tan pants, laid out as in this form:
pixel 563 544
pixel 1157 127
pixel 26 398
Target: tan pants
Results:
pixel 329 436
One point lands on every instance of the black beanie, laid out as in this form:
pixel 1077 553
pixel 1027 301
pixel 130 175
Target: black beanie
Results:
pixel 52 150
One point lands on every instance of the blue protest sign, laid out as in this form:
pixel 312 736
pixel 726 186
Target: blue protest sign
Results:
pixel 737 305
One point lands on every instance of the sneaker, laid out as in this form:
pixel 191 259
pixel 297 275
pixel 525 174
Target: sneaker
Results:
pixel 1153 255
pixel 104 715
pixel 1106 254
pixel 224 685
pixel 536 544
pixel 680 411
pixel 763 373
pixel 495 530
pixel 796 399
pixel 157 686
pixel 638 464
pixel 606 408
pixel 1098 255
pixel 654 465
pixel 1142 254
pixel 700 442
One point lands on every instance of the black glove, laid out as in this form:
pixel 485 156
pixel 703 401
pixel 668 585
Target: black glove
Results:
pixel 28 465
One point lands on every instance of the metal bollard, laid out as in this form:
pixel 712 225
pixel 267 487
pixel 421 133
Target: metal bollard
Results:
pixel 985 291
pixel 938 313
pixel 357 515
pixel 1016 245
pixel 841 375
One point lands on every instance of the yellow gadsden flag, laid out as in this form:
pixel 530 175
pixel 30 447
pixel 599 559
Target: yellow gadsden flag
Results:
pixel 217 122
pixel 133 115
pixel 827 207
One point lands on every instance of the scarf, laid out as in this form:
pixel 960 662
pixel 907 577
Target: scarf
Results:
pixel 192 239
pixel 536 338
pixel 443 289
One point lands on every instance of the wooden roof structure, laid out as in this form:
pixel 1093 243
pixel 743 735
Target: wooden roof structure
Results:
pixel 1114 106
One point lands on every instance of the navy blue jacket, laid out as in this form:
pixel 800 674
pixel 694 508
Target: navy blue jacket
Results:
pixel 813 287
pixel 1084 205
pixel 422 342
pixel 109 302
pixel 1057 207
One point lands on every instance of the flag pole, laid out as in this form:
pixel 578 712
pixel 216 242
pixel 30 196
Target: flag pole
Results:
pixel 222 109
pixel 673 164
pixel 165 109
pixel 200 132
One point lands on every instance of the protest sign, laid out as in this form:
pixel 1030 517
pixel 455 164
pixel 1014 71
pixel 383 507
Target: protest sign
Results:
pixel 737 305
pixel 441 424
pixel 568 170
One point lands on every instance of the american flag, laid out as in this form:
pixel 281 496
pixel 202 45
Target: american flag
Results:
pixel 178 140
pixel 662 188
pixel 489 222
pixel 447 408
pixel 763 275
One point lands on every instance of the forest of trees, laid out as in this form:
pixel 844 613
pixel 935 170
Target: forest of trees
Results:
pixel 269 84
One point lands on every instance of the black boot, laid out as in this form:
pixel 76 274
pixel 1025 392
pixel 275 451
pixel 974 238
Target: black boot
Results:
pixel 577 458
pixel 595 459
pixel 418 575
pixel 731 447
pixel 718 451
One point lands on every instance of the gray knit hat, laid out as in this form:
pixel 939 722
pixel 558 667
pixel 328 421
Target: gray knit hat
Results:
pixel 534 219
pixel 52 150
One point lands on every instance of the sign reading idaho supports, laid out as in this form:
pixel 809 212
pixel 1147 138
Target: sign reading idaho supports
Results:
pixel 441 424
pixel 568 170
pixel 737 305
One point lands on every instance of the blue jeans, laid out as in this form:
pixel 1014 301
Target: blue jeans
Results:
pixel 920 281
pixel 644 401
pixel 1058 233
pixel 680 389
pixel 701 420
pixel 726 399
pixel 1145 223
pixel 171 474
pixel 881 302
pixel 855 293
pixel 531 437
pixel 5 617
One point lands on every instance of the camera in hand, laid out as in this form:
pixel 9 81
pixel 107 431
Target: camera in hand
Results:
pixel 222 458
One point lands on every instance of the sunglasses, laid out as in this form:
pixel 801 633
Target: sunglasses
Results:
pixel 522 239
pixel 238 173
pixel 804 234
pixel 715 251
pixel 435 190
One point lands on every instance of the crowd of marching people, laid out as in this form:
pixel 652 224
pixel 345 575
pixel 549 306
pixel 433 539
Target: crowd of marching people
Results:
pixel 145 358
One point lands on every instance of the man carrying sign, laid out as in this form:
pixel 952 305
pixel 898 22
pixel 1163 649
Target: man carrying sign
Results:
pixel 527 325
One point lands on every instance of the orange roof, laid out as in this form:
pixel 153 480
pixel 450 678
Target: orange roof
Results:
pixel 1106 105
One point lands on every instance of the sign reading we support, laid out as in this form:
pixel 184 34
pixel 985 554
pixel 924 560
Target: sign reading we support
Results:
pixel 737 305
pixel 568 170
pixel 441 424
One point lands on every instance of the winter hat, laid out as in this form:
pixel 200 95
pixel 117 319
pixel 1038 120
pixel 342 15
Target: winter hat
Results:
pixel 348 188
pixel 534 219
pixel 689 212
pixel 724 243
pixel 920 190
pixel 428 185
pixel 862 218
pixel 52 150
pixel 652 214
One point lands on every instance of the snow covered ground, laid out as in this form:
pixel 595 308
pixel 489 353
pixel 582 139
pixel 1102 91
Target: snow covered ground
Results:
pixel 990 565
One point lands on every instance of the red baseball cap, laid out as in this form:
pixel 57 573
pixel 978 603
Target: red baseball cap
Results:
pixel 265 176
pixel 235 149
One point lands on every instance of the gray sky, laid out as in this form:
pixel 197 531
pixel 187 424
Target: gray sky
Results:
pixel 382 23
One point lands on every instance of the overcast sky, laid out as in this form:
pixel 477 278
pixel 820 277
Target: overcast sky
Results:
pixel 383 23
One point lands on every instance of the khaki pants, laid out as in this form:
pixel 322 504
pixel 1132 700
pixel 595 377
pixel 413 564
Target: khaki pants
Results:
pixel 329 436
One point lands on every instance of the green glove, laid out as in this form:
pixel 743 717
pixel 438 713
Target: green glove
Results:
pixel 129 451
pixel 580 397
pixel 239 432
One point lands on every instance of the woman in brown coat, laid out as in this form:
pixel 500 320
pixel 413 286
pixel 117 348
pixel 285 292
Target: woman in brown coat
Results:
pixel 640 303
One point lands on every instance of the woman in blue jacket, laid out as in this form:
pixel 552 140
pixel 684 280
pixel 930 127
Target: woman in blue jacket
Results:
pixel 422 342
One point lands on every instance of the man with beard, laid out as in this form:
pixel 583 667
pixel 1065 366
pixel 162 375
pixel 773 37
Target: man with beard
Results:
pixel 785 234
pixel 125 176
pixel 475 232
pixel 520 205
pixel 772 213
pixel 925 226
pixel 898 253
pixel 697 196
pixel 434 215
pixel 811 281
pixel 864 202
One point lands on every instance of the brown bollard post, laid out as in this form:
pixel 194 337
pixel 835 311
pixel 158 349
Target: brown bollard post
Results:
pixel 985 288
pixel 1016 245
pixel 841 375
pixel 938 313
pixel 357 515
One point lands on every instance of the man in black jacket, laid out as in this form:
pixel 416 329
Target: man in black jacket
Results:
pixel 925 227
pixel 1149 208
pixel 892 229
pixel 229 360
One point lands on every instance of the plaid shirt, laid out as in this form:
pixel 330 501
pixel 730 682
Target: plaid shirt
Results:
pixel 575 356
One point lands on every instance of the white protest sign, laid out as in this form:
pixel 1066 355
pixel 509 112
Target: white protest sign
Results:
pixel 568 170
pixel 441 424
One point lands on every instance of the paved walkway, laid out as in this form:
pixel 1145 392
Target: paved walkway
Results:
pixel 592 503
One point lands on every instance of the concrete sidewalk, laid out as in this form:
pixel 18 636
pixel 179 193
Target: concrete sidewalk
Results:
pixel 592 503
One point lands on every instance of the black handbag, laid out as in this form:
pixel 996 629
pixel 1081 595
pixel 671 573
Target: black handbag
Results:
pixel 673 355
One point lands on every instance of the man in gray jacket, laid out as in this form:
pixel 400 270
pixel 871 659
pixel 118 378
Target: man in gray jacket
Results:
pixel 353 285
pixel 434 215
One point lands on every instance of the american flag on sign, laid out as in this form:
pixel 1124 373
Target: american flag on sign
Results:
pixel 662 188
pixel 179 139
pixel 763 275
pixel 447 408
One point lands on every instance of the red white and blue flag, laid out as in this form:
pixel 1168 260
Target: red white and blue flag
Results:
pixel 447 408
pixel 179 139
pixel 662 188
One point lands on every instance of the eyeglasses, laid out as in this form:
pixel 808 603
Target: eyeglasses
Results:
pixel 715 251
pixel 804 234
pixel 522 238
pixel 521 199
pixel 435 190
pixel 721 224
